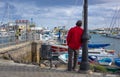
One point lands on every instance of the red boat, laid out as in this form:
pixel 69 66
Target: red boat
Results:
pixel 59 48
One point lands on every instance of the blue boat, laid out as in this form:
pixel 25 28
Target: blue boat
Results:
pixel 97 45
pixel 105 61
pixel 64 58
pixel 117 61
pixel 91 59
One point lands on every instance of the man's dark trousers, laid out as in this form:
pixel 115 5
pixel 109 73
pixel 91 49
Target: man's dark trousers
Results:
pixel 72 55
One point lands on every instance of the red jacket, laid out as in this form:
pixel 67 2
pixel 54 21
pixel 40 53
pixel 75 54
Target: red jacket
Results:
pixel 74 35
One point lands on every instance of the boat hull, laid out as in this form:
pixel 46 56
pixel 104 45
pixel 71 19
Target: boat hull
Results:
pixel 64 58
pixel 117 61
pixel 105 61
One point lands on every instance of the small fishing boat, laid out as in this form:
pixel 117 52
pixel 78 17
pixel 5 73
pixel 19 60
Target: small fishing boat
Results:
pixel 97 45
pixel 62 48
pixel 64 58
pixel 94 50
pixel 105 61
pixel 100 53
pixel 94 55
pixel 91 59
pixel 59 48
pixel 117 61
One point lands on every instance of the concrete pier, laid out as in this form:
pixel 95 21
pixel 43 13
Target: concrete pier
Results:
pixel 10 69
pixel 30 51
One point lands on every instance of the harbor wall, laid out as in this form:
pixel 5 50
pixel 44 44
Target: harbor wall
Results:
pixel 27 52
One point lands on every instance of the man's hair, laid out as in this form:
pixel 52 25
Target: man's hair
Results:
pixel 79 23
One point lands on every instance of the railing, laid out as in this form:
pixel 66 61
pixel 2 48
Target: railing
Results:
pixel 11 39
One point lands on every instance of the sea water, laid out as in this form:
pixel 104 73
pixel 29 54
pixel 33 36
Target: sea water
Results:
pixel 99 39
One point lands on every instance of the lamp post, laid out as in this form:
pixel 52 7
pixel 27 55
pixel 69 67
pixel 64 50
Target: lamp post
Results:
pixel 84 65
pixel 26 31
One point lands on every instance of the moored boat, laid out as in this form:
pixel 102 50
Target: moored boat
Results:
pixel 95 50
pixel 100 53
pixel 61 48
pixel 117 61
pixel 64 58
pixel 105 61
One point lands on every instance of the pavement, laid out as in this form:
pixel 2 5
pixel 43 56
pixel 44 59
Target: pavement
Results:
pixel 11 69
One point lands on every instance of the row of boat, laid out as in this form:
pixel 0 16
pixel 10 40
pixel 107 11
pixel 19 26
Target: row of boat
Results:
pixel 96 53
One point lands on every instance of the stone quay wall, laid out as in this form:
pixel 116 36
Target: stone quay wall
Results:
pixel 27 52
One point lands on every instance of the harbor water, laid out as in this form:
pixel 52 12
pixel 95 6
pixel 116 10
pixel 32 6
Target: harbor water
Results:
pixel 114 43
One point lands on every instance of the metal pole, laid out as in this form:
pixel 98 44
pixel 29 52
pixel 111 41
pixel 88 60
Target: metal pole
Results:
pixel 26 32
pixel 84 65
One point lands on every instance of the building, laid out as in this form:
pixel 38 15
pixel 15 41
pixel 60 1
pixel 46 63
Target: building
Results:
pixel 22 24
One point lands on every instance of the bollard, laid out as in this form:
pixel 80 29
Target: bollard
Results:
pixel 35 50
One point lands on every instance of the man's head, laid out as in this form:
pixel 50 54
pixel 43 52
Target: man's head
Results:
pixel 79 23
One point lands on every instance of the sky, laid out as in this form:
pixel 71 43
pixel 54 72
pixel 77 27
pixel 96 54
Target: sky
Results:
pixel 53 13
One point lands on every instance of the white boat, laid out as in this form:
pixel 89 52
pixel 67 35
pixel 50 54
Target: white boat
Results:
pixel 118 36
pixel 94 50
pixel 105 61
pixel 98 53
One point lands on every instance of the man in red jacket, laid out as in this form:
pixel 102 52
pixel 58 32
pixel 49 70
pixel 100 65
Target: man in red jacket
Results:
pixel 74 42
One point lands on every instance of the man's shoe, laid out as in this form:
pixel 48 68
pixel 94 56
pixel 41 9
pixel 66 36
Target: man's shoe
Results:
pixel 68 70
pixel 74 70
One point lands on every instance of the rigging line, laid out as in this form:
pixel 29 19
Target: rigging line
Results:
pixel 118 18
pixel 114 16
pixel 117 14
pixel 115 20
pixel 70 17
